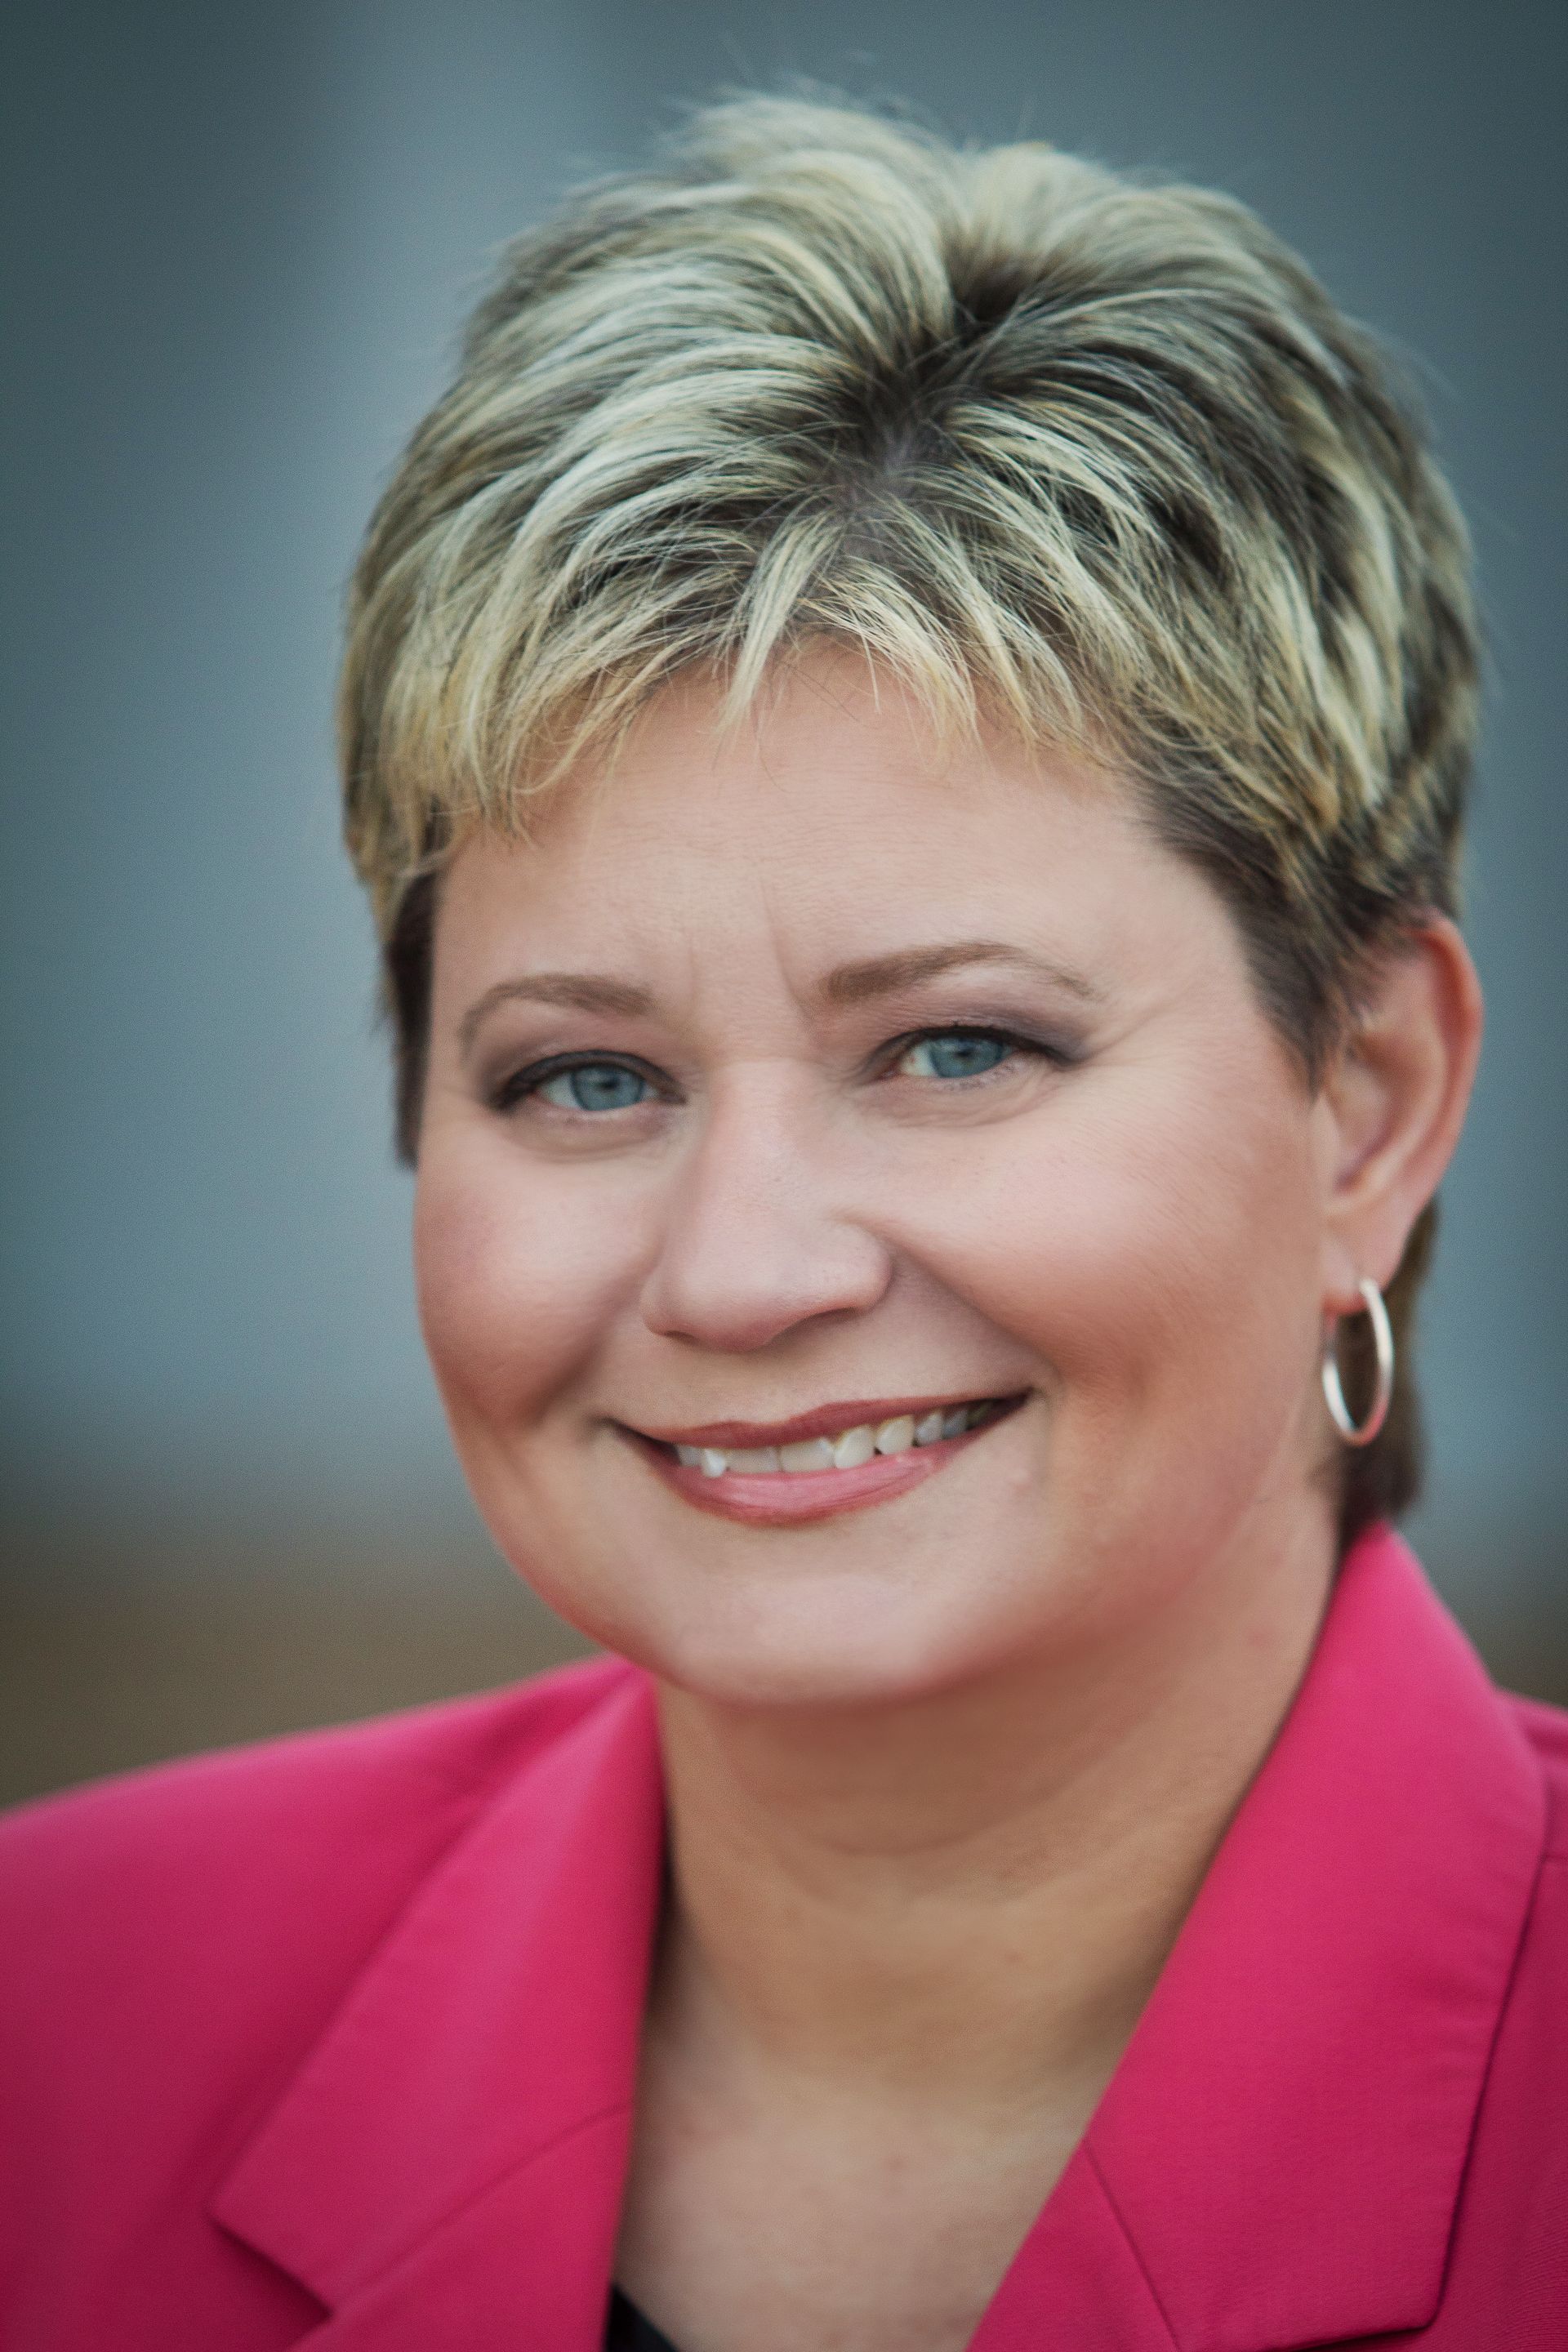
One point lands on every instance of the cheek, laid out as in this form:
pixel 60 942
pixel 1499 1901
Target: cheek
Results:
pixel 1114 1246
pixel 516 1283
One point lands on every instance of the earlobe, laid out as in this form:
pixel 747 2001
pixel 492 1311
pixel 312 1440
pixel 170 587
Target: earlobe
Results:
pixel 1395 1100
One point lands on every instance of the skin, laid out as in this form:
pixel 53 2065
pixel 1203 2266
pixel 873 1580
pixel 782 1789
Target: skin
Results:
pixel 944 1770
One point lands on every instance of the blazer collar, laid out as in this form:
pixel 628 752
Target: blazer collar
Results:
pixel 1276 2162
pixel 446 2164
pixel 1284 2139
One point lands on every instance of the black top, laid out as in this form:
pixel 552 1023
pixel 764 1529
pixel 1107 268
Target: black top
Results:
pixel 628 2331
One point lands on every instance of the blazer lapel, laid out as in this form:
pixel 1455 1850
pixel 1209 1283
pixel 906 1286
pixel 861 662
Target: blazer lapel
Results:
pixel 1282 2145
pixel 446 2166
pixel 523 2267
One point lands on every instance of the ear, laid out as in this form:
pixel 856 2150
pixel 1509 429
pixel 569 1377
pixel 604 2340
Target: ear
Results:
pixel 1393 1104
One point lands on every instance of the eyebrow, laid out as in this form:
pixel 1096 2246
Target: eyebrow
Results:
pixel 576 991
pixel 857 983
pixel 845 984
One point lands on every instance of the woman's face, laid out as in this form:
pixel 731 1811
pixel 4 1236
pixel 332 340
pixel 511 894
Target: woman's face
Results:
pixel 821 1086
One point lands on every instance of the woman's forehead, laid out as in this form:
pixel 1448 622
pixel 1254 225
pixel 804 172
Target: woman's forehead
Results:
pixel 836 760
pixel 850 860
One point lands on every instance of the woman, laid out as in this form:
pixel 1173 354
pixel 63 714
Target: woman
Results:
pixel 905 721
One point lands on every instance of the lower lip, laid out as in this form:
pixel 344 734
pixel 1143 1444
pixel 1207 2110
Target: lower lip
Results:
pixel 784 1498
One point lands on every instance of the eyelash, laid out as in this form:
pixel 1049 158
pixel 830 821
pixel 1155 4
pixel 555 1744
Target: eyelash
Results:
pixel 521 1084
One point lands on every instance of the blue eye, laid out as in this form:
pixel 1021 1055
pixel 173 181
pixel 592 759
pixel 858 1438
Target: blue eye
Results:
pixel 594 1085
pixel 954 1053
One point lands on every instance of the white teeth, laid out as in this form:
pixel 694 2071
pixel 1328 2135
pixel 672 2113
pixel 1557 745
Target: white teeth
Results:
pixel 808 1454
pixel 855 1447
pixel 848 1451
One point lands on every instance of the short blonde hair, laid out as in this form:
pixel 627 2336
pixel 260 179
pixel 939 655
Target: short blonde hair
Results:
pixel 1093 457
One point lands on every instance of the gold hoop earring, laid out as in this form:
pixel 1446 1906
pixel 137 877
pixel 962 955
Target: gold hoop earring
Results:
pixel 1334 1395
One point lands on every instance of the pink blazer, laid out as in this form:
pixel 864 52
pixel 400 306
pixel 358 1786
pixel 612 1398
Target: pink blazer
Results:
pixel 331 2042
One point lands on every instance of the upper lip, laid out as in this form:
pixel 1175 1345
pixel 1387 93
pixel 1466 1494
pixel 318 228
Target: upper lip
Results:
pixel 823 1420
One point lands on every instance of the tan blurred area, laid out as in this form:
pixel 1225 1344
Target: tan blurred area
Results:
pixel 108 1661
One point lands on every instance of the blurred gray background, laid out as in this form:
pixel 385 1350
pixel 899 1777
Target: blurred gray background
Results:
pixel 239 241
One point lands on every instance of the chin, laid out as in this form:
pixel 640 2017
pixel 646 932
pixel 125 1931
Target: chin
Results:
pixel 826 1618
pixel 861 1645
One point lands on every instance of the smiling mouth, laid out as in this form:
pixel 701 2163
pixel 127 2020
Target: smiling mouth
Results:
pixel 823 1463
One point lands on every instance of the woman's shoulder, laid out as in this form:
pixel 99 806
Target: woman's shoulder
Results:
pixel 178 1939
pixel 328 1827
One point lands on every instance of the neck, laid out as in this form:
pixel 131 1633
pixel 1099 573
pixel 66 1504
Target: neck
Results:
pixel 964 1898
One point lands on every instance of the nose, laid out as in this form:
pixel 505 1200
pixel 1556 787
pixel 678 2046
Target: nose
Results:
pixel 758 1234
